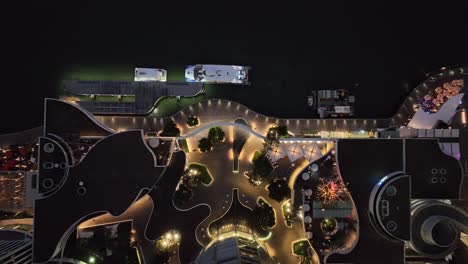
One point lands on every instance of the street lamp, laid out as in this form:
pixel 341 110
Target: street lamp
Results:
pixel 92 259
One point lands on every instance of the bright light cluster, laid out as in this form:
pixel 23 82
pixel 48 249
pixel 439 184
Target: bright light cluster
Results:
pixel 194 172
pixel 331 191
pixel 169 239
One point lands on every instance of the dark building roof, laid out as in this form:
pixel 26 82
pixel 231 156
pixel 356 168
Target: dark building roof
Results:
pixel 146 94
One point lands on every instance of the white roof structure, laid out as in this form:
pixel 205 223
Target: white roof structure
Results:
pixel 276 153
pixel 294 151
pixel 423 120
pixel 150 75
pixel 312 152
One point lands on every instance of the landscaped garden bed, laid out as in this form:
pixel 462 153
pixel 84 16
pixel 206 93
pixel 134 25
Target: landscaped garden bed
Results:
pixel 201 171
pixel 279 190
pixel 303 249
pixel 183 145
pixel 263 218
pixel 260 168
pixel 195 175
pixel 289 213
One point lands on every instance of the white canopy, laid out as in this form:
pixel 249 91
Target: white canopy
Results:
pixel 308 192
pixel 305 176
pixel 425 120
pixel 312 152
pixel 294 151
pixel 307 219
pixel 306 207
pixel 276 153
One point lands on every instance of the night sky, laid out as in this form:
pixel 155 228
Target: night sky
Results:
pixel 381 46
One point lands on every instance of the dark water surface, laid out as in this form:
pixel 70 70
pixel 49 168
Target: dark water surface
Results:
pixel 382 50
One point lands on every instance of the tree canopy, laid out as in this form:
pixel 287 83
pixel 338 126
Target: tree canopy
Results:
pixel 279 190
pixel 261 166
pixel 264 216
pixel 274 134
pixel 192 121
pixel 170 129
pixel 215 135
pixel 204 145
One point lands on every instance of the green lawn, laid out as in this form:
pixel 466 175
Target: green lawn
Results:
pixel 165 107
pixel 206 178
pixel 102 98
pixel 170 105
pixel 288 213
pixel 99 72
pixel 115 73
pixel 257 154
pixel 300 247
pixel 176 74
pixel 184 146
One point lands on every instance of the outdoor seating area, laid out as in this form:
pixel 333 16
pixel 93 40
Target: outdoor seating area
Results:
pixel 11 190
pixel 296 150
pixel 326 207
pixel 434 99
pixel 18 157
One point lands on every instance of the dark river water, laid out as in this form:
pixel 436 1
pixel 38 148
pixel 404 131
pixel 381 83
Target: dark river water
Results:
pixel 378 51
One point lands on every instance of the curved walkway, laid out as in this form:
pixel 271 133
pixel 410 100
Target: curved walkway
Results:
pixel 215 110
pixel 220 123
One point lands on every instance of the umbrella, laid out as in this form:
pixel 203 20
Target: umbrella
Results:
pixel 306 207
pixel 294 152
pixel 307 219
pixel 314 167
pixel 308 192
pixel 312 152
pixel 276 153
pixel 305 176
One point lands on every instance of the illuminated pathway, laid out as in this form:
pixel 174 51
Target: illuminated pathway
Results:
pixel 217 110
pixel 219 124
